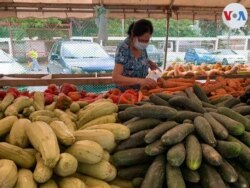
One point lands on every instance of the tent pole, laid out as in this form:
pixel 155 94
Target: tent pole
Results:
pixel 166 40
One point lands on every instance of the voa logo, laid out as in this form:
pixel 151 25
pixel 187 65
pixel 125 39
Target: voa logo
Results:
pixel 234 15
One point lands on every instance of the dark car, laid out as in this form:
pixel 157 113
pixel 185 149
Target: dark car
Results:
pixel 79 57
pixel 155 55
pixel 199 56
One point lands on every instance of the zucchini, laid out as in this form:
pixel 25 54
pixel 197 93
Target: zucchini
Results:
pixel 184 114
pixel 177 134
pixel 192 176
pixel 194 153
pixel 211 155
pixel 186 103
pixel 204 130
pixel 130 157
pixel 219 130
pixel 158 100
pixel 137 182
pixel 235 116
pixel 191 95
pixel 174 177
pixel 210 178
pixel 229 149
pixel 234 128
pixel 152 111
pixel 124 116
pixel 208 105
pixel 155 148
pixel 176 155
pixel 200 93
pixel 227 172
pixel 135 140
pixel 243 110
pixel 142 124
pixel 158 131
pixel 131 172
pixel 153 179
pixel 210 109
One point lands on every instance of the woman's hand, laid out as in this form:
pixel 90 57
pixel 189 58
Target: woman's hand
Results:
pixel 152 65
pixel 148 83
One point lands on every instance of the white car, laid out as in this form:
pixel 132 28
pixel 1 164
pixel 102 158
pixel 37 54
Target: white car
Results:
pixel 228 57
pixel 8 65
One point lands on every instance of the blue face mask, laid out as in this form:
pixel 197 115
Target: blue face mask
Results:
pixel 140 45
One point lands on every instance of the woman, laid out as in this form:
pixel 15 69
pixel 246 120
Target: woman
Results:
pixel 131 59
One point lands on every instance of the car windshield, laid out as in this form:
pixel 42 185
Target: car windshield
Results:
pixel 83 50
pixel 4 57
pixel 201 51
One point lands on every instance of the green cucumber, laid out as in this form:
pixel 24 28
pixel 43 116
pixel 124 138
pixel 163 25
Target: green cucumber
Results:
pixel 142 124
pixel 192 176
pixel 211 155
pixel 193 153
pixel 204 130
pixel 124 116
pixel 177 134
pixel 137 182
pixel 244 155
pixel 184 114
pixel 158 100
pixel 221 99
pixel 186 103
pixel 200 93
pixel 135 140
pixel 229 149
pixel 131 172
pixel 243 110
pixel 156 133
pixel 229 103
pixel 192 96
pixel 176 155
pixel 154 177
pixel 155 148
pixel 234 128
pixel 152 111
pixel 208 105
pixel 241 182
pixel 130 157
pixel 122 107
pixel 235 116
pixel 227 172
pixel 210 178
pixel 164 96
pixel 245 138
pixel 210 109
pixel 219 130
pixel 174 177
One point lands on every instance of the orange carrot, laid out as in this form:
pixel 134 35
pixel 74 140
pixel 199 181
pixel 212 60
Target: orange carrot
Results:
pixel 214 97
pixel 156 90
pixel 171 84
pixel 182 80
pixel 212 87
pixel 178 88
pixel 140 96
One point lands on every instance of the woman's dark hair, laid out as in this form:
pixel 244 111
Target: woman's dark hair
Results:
pixel 140 27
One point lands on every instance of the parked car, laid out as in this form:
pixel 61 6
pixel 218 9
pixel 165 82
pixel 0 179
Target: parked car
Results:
pixel 77 57
pixel 228 56
pixel 155 55
pixel 9 65
pixel 199 56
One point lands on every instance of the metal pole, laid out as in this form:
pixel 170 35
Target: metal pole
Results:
pixel 166 40
pixel 123 27
pixel 12 53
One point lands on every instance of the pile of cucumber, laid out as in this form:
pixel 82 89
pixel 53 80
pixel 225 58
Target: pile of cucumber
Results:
pixel 183 140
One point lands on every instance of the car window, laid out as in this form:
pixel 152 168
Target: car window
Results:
pixel 5 58
pixel 58 49
pixel 83 50
pixel 53 49
pixel 201 51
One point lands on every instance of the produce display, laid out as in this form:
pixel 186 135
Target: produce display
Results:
pixel 185 140
pixel 205 70
pixel 182 134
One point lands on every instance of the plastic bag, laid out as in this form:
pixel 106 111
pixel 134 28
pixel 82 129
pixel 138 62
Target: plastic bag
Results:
pixel 154 74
